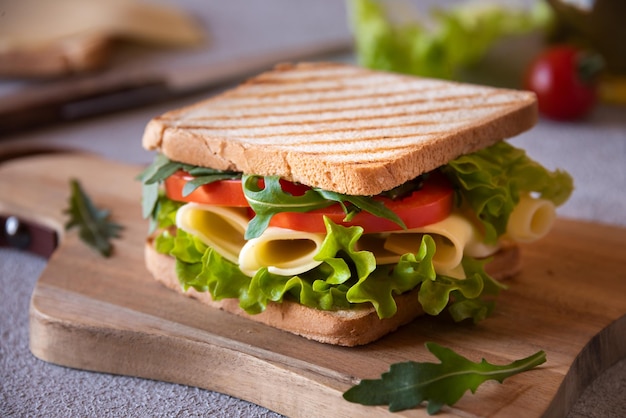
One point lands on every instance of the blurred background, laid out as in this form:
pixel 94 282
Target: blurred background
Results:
pixel 77 66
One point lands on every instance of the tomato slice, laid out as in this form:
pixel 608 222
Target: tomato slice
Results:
pixel 219 193
pixel 432 203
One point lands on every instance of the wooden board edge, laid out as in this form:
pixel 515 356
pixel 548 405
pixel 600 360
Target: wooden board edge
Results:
pixel 105 349
pixel 57 341
pixel 604 350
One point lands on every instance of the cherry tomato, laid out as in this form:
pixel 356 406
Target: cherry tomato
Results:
pixel 563 77
pixel 432 203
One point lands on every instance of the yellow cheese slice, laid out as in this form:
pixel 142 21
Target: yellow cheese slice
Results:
pixel 531 219
pixel 454 237
pixel 283 251
pixel 221 228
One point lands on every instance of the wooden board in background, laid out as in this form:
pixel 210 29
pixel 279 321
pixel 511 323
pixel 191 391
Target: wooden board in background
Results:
pixel 108 315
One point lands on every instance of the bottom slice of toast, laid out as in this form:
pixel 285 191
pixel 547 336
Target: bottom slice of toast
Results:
pixel 347 327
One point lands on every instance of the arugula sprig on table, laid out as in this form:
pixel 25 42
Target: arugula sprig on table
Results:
pixel 94 226
pixel 266 201
pixel 406 385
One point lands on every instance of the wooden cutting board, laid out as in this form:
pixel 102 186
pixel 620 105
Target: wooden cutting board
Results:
pixel 108 315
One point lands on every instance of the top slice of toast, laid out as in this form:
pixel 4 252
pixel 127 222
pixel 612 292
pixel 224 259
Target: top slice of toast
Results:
pixel 339 127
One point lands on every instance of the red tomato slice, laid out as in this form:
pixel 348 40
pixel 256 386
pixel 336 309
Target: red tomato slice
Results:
pixel 432 203
pixel 219 193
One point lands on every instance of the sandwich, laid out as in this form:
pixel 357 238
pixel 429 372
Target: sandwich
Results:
pixel 339 203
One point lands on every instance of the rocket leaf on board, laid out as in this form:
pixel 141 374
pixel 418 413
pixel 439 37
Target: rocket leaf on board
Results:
pixel 408 384
pixel 94 226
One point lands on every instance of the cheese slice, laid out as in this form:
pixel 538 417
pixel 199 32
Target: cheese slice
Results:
pixel 531 219
pixel 288 252
pixel 283 251
pixel 454 237
pixel 222 228
pixel 450 235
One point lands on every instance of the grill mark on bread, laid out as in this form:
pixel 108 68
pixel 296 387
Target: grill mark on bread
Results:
pixel 316 120
pixel 350 142
pixel 313 73
pixel 359 145
pixel 325 140
pixel 267 91
pixel 263 93
pixel 305 122
pixel 289 111
pixel 291 97
pixel 418 95
pixel 378 119
pixel 338 77
pixel 206 133
pixel 326 132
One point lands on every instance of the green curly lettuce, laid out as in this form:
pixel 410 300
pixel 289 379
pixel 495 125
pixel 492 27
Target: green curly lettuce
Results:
pixel 346 277
pixel 491 180
pixel 439 45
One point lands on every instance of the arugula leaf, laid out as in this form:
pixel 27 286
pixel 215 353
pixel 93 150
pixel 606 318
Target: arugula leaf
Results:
pixel 160 169
pixel 94 228
pixel 266 201
pixel 150 190
pixel 271 199
pixel 207 178
pixel 365 203
pixel 408 384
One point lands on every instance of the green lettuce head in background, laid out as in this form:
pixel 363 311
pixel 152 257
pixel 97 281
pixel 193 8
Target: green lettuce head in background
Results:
pixel 391 36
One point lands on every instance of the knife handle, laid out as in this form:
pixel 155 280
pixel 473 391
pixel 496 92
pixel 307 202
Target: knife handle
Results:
pixel 28 236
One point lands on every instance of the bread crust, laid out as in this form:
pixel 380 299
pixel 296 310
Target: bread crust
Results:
pixel 343 327
pixel 357 134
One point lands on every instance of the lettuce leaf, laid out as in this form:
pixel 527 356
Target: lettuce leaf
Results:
pixel 387 280
pixel 346 277
pixel 202 268
pixel 491 180
pixel 439 45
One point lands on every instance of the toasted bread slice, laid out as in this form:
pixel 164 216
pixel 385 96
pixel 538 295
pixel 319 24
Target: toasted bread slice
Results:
pixel 341 128
pixel 342 327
